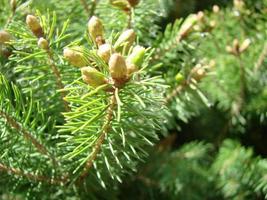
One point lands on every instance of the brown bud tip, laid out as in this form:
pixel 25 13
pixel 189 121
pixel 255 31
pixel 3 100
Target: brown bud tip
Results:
pixel 43 43
pixel 117 67
pixel 105 52
pixel 134 3
pixel 34 25
pixel 93 77
pixel 125 41
pixel 95 28
pixel 4 37
pixel 216 9
pixel 75 56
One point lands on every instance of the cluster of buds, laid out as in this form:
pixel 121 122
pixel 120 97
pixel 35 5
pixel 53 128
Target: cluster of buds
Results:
pixel 121 68
pixel 236 49
pixel 196 73
pixel 200 70
pixel 203 24
pixel 5 38
pixel 35 26
pixel 125 5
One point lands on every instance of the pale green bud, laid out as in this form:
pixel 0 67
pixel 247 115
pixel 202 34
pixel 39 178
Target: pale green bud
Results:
pixel 137 56
pixel 75 56
pixel 95 28
pixel 43 43
pixel 105 51
pixel 125 41
pixel 93 77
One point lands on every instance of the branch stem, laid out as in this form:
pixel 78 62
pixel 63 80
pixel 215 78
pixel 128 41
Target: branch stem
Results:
pixel 34 177
pixel 27 135
pixel 100 140
pixel 58 78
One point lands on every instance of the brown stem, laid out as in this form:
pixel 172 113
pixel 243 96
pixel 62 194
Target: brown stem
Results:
pixel 129 13
pixel 93 7
pixel 85 6
pixel 34 177
pixel 58 78
pixel 261 58
pixel 100 140
pixel 242 91
pixel 27 135
pixel 175 92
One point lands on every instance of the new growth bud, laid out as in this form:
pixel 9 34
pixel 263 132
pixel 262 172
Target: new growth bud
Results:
pixel 43 43
pixel 188 24
pixel 125 41
pixel 105 51
pixel 137 56
pixel 179 78
pixel 244 45
pixel 216 9
pixel 117 67
pixel 96 30
pixel 93 77
pixel 4 37
pixel 75 56
pixel 34 25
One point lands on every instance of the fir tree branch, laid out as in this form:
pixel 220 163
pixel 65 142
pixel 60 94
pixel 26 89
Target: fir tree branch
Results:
pixel 27 135
pixel 99 142
pixel 261 58
pixel 129 13
pixel 34 177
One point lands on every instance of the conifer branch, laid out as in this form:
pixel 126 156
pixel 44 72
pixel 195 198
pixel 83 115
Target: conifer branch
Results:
pixel 27 135
pixel 34 177
pixel 101 138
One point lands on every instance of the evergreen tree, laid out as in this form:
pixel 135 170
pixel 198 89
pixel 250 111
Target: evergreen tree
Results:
pixel 96 98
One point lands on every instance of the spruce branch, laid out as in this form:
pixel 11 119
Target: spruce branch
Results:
pixel 100 140
pixel 27 135
pixel 33 177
